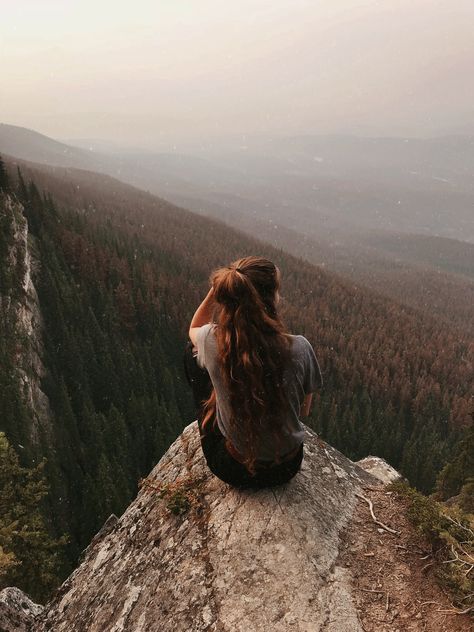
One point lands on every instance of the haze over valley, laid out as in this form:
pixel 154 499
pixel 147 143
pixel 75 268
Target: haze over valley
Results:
pixel 395 215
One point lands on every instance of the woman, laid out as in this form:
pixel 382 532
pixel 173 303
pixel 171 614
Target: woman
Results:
pixel 253 379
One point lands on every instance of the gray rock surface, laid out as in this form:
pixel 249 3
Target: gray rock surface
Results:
pixel 380 469
pixel 17 611
pixel 236 560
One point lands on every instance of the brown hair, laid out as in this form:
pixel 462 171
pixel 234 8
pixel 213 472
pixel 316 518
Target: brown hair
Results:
pixel 252 347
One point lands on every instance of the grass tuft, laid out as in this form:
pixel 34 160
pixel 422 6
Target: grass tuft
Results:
pixel 180 496
pixel 450 533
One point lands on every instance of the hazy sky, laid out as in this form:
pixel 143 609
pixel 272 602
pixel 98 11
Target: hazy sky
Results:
pixel 142 70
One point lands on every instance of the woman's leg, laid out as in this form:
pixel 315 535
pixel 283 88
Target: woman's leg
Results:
pixel 221 463
pixel 224 466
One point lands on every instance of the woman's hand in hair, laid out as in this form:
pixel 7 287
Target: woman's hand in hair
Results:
pixel 202 315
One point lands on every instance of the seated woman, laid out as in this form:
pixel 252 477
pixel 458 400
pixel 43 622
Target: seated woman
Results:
pixel 252 378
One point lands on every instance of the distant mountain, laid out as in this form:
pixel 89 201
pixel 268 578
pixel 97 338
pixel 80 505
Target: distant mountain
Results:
pixel 392 214
pixel 317 185
pixel 355 184
pixel 434 275
pixel 30 145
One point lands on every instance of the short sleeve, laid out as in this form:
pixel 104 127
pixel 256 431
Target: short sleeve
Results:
pixel 313 379
pixel 201 335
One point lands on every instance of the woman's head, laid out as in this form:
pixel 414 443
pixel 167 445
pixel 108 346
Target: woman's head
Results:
pixel 245 281
pixel 253 348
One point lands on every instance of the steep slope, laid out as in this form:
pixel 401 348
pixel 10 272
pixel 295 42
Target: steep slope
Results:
pixel 388 368
pixel 86 383
pixel 21 331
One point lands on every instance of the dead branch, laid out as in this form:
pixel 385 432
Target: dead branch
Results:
pixel 457 611
pixel 371 507
pixel 458 524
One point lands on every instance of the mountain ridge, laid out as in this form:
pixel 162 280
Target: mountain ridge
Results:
pixel 381 259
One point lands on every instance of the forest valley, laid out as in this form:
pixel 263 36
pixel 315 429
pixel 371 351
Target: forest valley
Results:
pixel 117 274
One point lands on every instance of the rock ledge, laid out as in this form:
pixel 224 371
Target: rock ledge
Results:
pixel 248 560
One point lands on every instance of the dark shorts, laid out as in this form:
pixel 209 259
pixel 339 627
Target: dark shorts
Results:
pixel 221 463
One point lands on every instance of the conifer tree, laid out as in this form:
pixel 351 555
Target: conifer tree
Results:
pixel 22 191
pixel 4 180
pixel 459 472
pixel 29 557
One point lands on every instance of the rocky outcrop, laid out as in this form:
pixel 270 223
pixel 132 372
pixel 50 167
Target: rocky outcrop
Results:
pixel 17 611
pixel 226 559
pixel 192 554
pixel 380 469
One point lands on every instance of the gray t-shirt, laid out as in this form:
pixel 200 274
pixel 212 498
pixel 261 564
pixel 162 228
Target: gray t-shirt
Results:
pixel 301 376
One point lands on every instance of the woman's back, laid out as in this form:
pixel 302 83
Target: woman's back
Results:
pixel 302 375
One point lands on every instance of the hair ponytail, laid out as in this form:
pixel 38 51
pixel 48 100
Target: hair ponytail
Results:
pixel 253 347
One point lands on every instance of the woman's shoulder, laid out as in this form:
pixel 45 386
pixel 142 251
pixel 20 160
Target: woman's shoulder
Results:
pixel 304 356
pixel 301 348
pixel 299 341
pixel 205 329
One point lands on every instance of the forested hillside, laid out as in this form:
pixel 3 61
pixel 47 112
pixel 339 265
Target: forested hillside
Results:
pixel 250 191
pixel 434 275
pixel 112 349
pixel 119 273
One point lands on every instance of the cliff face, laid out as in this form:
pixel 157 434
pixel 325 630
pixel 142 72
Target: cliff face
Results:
pixel 235 560
pixel 20 305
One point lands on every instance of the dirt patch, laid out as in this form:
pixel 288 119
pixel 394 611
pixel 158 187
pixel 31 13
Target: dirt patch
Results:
pixel 394 586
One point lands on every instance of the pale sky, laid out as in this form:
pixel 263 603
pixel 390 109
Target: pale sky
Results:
pixel 137 72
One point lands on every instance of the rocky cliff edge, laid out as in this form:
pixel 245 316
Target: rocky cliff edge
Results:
pixel 193 554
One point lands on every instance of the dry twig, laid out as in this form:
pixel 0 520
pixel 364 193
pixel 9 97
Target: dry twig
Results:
pixel 457 611
pixel 371 507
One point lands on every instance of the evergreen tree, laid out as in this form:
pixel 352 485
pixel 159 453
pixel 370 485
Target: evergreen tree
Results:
pixel 22 191
pixel 29 557
pixel 4 180
pixel 459 472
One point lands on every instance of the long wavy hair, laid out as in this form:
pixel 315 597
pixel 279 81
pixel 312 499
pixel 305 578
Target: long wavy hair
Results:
pixel 253 348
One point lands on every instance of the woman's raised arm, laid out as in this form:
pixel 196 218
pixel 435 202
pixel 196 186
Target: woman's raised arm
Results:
pixel 202 315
